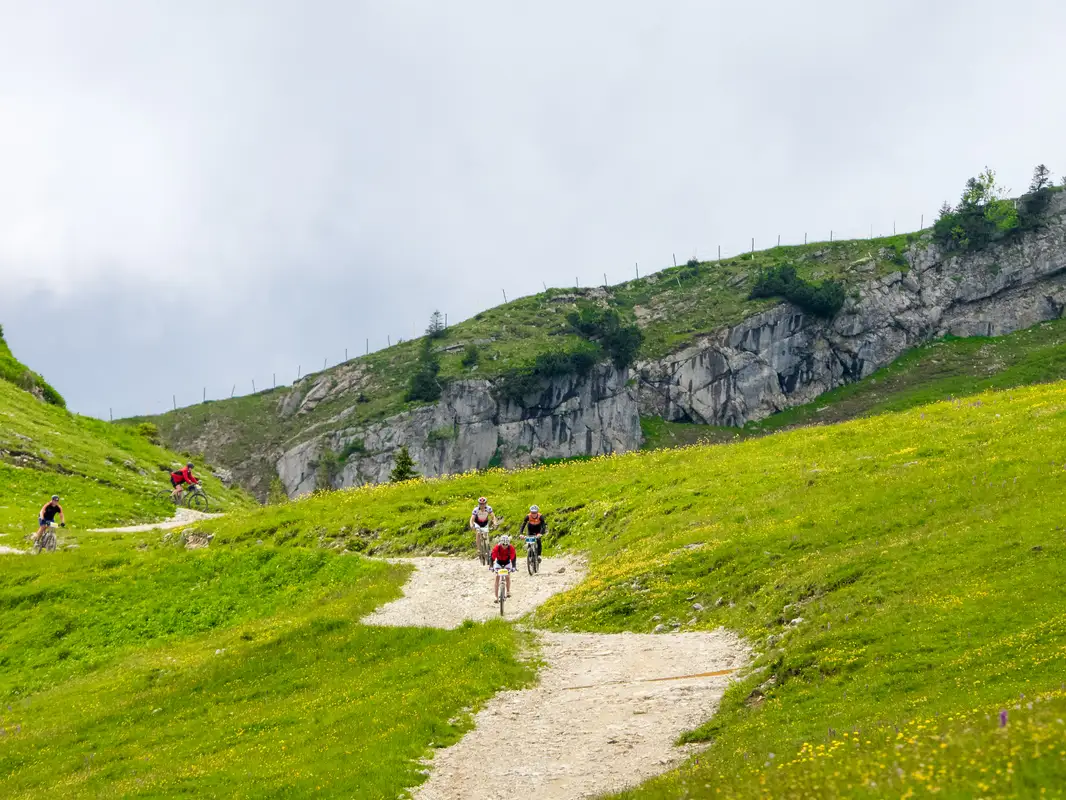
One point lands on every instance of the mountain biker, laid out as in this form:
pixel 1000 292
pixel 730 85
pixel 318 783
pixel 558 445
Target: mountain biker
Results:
pixel 482 516
pixel 537 527
pixel 47 517
pixel 503 555
pixel 180 478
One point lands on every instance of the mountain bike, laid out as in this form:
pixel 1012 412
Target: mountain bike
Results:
pixel 532 556
pixel 193 497
pixel 503 572
pixel 46 541
pixel 484 544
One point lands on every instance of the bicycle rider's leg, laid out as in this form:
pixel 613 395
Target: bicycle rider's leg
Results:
pixel 540 546
pixel 496 586
pixel 508 584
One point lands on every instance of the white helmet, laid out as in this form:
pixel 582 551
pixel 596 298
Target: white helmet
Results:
pixel 505 539
pixel 534 509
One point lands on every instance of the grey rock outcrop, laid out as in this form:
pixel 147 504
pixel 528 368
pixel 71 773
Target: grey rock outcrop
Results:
pixel 469 428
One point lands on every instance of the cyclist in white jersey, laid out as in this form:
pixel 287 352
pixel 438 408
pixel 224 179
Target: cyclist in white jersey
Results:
pixel 482 516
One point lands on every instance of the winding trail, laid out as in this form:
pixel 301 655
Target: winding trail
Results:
pixel 443 592
pixel 182 516
pixel 606 711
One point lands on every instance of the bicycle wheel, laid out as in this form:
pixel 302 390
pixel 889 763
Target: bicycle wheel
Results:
pixel 49 541
pixel 164 494
pixel 198 501
pixel 536 563
pixel 531 559
pixel 503 592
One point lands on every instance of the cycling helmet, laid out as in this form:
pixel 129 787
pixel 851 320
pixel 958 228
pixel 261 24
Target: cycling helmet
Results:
pixel 189 465
pixel 505 539
pixel 481 501
pixel 534 509
pixel 55 497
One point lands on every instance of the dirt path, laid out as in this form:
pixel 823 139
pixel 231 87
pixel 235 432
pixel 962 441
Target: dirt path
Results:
pixel 605 713
pixel 182 516
pixel 445 591
pixel 605 716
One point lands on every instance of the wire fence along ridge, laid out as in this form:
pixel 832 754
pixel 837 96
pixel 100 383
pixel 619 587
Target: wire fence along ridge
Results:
pixel 300 375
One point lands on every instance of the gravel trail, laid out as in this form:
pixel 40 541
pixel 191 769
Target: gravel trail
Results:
pixel 445 591
pixel 605 713
pixel 182 516
pixel 604 718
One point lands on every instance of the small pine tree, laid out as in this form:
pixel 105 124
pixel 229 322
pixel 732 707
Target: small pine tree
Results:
pixel 1041 178
pixel 404 467
pixel 276 494
pixel 436 329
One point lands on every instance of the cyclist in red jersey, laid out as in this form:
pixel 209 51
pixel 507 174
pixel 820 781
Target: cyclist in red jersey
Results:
pixel 503 555
pixel 180 478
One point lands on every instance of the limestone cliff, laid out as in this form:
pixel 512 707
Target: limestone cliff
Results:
pixel 769 362
pixel 783 357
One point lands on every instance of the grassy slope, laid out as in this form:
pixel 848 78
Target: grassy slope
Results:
pixel 673 305
pixel 106 474
pixel 937 371
pixel 15 372
pixel 231 673
pixel 921 550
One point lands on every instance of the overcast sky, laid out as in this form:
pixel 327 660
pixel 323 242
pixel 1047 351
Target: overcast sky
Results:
pixel 201 194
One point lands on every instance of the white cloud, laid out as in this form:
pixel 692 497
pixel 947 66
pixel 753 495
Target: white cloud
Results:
pixel 258 162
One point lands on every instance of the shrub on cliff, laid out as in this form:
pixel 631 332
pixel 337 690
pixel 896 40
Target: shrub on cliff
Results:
pixel 423 384
pixel 822 299
pixel 517 382
pixel 605 326
pixel 471 356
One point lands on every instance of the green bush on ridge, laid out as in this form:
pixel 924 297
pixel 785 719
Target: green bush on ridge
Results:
pixel 986 215
pixel 824 299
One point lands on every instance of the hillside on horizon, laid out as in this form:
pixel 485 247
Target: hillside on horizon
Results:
pixel 575 373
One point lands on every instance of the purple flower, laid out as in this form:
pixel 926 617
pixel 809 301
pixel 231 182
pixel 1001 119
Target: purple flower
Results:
pixel 1003 718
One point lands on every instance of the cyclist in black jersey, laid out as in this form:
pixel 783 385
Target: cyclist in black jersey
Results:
pixel 534 520
pixel 46 519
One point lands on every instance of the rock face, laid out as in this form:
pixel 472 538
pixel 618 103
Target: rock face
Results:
pixel 769 362
pixel 469 428
pixel 784 357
